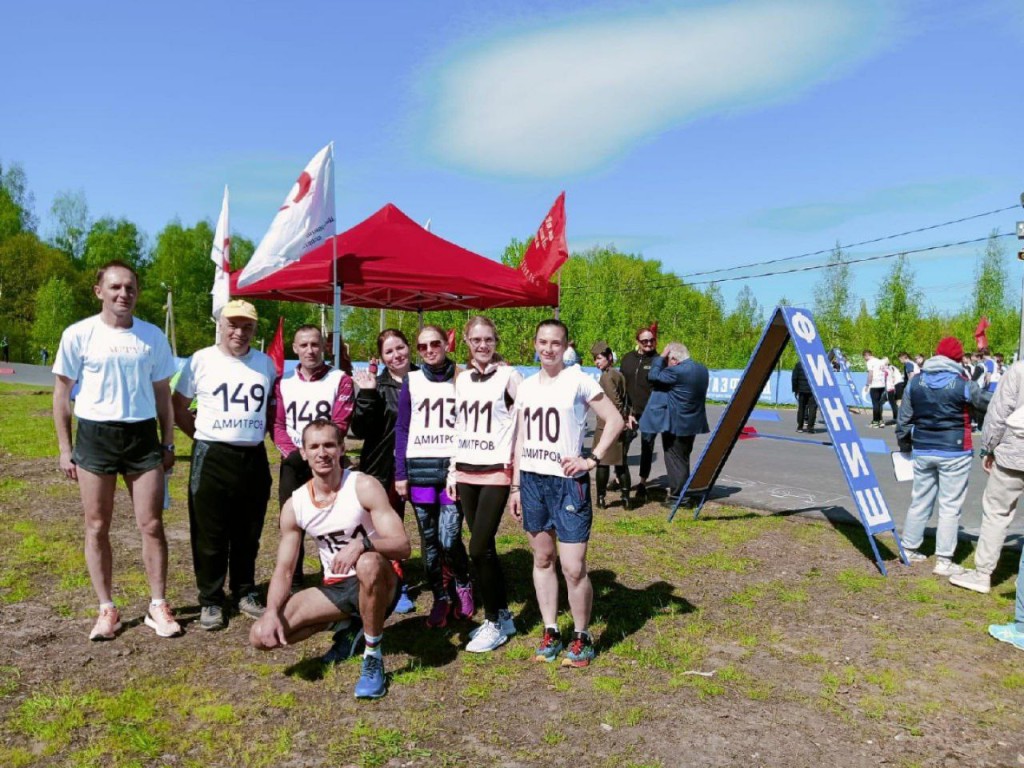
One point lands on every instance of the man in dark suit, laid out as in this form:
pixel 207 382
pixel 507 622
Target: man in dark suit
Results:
pixel 676 409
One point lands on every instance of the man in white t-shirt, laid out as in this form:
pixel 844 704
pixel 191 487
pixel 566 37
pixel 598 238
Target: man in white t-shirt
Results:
pixel 314 390
pixel 551 485
pixel 357 533
pixel 124 366
pixel 229 480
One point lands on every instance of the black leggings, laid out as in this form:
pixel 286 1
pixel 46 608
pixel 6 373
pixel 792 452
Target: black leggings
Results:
pixel 877 398
pixel 621 473
pixel 483 506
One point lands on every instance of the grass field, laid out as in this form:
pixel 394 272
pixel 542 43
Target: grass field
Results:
pixel 741 638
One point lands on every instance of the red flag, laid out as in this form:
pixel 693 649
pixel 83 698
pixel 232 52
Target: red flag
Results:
pixel 548 251
pixel 451 340
pixel 276 350
pixel 654 329
pixel 979 333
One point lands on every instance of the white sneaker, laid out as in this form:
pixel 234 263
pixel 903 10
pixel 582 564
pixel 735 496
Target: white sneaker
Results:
pixel 914 556
pixel 488 637
pixel 505 622
pixel 946 567
pixel 973 580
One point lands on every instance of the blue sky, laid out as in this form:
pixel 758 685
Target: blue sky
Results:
pixel 703 135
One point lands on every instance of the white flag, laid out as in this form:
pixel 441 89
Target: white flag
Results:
pixel 221 255
pixel 305 221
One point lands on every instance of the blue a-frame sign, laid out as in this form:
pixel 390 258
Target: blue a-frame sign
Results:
pixel 796 325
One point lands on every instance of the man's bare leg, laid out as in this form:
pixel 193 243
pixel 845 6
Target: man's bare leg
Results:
pixel 377 584
pixel 147 492
pixel 97 493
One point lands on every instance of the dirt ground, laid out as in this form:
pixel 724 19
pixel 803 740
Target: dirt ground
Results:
pixel 739 638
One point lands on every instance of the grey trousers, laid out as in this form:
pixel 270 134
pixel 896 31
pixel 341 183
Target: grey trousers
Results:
pixel 998 506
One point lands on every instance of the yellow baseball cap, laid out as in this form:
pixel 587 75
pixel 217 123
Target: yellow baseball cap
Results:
pixel 240 308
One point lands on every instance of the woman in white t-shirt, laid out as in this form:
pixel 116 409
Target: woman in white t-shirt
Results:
pixel 481 475
pixel 551 485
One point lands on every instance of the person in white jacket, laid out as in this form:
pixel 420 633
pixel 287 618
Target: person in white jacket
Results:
pixel 876 384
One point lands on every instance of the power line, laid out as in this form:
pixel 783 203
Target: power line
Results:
pixel 674 281
pixel 851 245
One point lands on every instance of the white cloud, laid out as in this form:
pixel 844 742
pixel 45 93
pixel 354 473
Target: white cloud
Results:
pixel 566 100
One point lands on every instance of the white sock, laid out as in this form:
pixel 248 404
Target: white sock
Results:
pixel 372 645
pixel 105 605
pixel 156 601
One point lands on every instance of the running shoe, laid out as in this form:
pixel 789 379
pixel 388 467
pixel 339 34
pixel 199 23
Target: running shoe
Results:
pixel 439 613
pixel 372 683
pixel 506 624
pixel 972 580
pixel 346 643
pixel 160 618
pixel 913 556
pixel 464 605
pixel 107 625
pixel 580 652
pixel 946 567
pixel 211 618
pixel 405 603
pixel 1007 633
pixel 487 637
pixel 251 605
pixel 550 646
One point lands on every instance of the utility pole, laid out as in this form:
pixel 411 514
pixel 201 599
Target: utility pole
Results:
pixel 1020 255
pixel 169 319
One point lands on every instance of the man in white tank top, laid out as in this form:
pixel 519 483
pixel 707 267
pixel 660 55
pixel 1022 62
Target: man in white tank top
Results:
pixel 314 390
pixel 551 486
pixel 357 533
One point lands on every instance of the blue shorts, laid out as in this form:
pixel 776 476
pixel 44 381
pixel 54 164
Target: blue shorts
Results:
pixel 559 503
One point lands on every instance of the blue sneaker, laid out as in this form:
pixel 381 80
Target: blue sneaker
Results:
pixel 372 683
pixel 1008 633
pixel 405 603
pixel 550 646
pixel 346 643
pixel 581 651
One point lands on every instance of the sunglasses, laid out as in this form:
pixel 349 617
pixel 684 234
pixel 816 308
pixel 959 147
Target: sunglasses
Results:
pixel 646 341
pixel 434 344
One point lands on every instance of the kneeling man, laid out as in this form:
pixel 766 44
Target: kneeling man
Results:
pixel 357 533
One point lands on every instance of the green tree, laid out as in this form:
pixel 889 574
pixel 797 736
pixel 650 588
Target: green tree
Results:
pixel 70 215
pixel 743 328
pixel 110 239
pixel 833 300
pixel 25 264
pixel 16 202
pixel 897 310
pixel 55 311
pixel 991 298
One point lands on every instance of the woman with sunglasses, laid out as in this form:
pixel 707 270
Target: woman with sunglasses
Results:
pixel 374 420
pixel 424 447
pixel 481 475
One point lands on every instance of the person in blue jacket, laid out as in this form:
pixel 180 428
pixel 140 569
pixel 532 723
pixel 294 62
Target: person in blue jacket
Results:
pixel 676 409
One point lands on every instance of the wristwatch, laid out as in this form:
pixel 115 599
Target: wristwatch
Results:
pixel 367 544
pixel 169 447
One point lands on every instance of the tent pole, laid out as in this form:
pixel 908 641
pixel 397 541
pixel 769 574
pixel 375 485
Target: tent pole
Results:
pixel 336 344
pixel 419 314
pixel 382 318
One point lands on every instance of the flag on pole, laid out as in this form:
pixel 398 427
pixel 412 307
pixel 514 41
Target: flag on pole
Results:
pixel 654 331
pixel 276 350
pixel 980 337
pixel 451 340
pixel 303 222
pixel 221 255
pixel 548 251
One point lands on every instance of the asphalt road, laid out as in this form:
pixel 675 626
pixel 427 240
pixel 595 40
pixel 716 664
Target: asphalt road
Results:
pixel 778 476
pixel 805 478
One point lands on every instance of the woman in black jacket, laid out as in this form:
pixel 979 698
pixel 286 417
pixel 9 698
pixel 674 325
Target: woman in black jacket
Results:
pixel 374 419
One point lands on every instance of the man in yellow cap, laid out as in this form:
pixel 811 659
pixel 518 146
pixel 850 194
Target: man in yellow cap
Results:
pixel 229 482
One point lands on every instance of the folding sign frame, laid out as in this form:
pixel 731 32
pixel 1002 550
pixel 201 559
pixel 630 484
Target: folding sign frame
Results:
pixel 797 325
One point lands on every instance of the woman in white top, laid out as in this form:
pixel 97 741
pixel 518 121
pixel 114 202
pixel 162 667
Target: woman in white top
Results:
pixel 481 475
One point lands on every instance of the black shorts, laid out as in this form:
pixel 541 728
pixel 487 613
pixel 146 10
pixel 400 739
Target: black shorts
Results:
pixel 117 447
pixel 345 596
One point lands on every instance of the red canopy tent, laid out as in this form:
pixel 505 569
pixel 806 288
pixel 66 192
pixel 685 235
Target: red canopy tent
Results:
pixel 390 261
